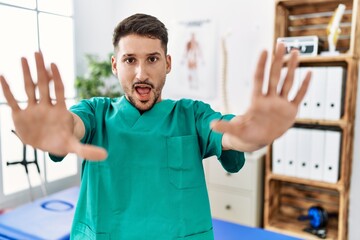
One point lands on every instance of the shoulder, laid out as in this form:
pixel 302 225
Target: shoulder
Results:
pixel 96 103
pixel 193 107
pixel 101 100
pixel 190 103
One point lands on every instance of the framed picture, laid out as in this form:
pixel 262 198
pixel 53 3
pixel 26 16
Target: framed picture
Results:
pixel 193 50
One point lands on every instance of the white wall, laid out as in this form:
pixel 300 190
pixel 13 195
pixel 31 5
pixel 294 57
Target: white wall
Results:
pixel 252 30
pixel 250 27
pixel 93 30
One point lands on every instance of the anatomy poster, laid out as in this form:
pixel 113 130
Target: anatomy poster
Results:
pixel 193 60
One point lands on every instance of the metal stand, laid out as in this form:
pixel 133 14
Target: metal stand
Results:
pixel 25 163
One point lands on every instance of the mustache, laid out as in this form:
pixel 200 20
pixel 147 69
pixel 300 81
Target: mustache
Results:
pixel 145 82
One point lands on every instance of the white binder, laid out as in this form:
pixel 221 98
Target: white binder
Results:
pixel 317 154
pixel 334 93
pixel 332 156
pixel 304 111
pixel 290 152
pixel 303 153
pixel 296 85
pixel 282 79
pixel 278 155
pixel 317 104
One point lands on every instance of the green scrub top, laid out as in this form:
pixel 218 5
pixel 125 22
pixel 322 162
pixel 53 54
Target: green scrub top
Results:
pixel 152 184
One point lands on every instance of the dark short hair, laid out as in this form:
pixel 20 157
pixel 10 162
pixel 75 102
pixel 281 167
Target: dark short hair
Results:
pixel 143 25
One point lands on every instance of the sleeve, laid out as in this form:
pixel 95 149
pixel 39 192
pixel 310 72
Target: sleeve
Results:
pixel 211 141
pixel 85 109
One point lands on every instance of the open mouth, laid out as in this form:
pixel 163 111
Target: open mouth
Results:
pixel 143 91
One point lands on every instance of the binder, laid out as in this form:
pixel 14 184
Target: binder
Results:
pixel 304 111
pixel 295 88
pixel 334 89
pixel 296 85
pixel 296 82
pixel 303 153
pixel 278 155
pixel 332 156
pixel 317 154
pixel 290 152
pixel 283 73
pixel 317 104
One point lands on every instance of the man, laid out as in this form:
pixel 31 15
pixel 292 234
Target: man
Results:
pixel 151 183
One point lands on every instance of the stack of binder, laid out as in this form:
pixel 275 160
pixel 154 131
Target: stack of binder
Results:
pixel 308 153
pixel 324 98
pixel 313 153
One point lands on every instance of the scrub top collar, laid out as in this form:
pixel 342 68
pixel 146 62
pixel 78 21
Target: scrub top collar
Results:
pixel 132 114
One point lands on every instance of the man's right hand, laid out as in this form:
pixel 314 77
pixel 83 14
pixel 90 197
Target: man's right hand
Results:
pixel 43 124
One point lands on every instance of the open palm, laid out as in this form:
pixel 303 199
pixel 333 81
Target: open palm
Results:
pixel 271 113
pixel 43 124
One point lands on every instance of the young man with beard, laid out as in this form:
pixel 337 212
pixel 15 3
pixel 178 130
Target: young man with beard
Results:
pixel 150 184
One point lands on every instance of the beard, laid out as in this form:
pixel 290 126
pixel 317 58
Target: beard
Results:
pixel 145 105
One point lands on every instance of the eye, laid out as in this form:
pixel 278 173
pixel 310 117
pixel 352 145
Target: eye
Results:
pixel 129 60
pixel 153 59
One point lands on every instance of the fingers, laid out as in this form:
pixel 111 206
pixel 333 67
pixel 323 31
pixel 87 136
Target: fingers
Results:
pixel 59 86
pixel 28 82
pixel 88 152
pixel 289 80
pixel 43 79
pixel 8 95
pixel 93 153
pixel 259 74
pixel 302 91
pixel 275 70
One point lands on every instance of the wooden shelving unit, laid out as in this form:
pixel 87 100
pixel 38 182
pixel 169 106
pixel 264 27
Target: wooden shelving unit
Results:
pixel 287 197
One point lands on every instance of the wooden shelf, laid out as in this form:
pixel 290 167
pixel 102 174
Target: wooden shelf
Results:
pixel 340 123
pixel 303 181
pixel 289 200
pixel 296 3
pixel 291 226
pixel 341 58
pixel 288 197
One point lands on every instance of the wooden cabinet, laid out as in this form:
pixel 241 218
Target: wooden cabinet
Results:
pixel 237 197
pixel 288 197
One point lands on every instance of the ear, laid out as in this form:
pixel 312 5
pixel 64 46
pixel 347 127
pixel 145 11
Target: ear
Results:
pixel 168 64
pixel 113 65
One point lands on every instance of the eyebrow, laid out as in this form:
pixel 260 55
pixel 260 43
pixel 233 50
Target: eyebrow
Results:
pixel 154 53
pixel 149 54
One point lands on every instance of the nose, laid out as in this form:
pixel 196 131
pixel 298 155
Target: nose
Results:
pixel 141 72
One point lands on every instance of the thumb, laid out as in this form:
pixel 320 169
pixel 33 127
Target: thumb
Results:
pixel 88 152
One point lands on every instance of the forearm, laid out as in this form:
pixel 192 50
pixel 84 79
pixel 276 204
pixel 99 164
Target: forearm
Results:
pixel 78 131
pixel 233 143
pixel 79 127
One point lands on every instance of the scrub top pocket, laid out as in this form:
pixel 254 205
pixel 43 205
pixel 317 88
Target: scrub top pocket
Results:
pixel 185 162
